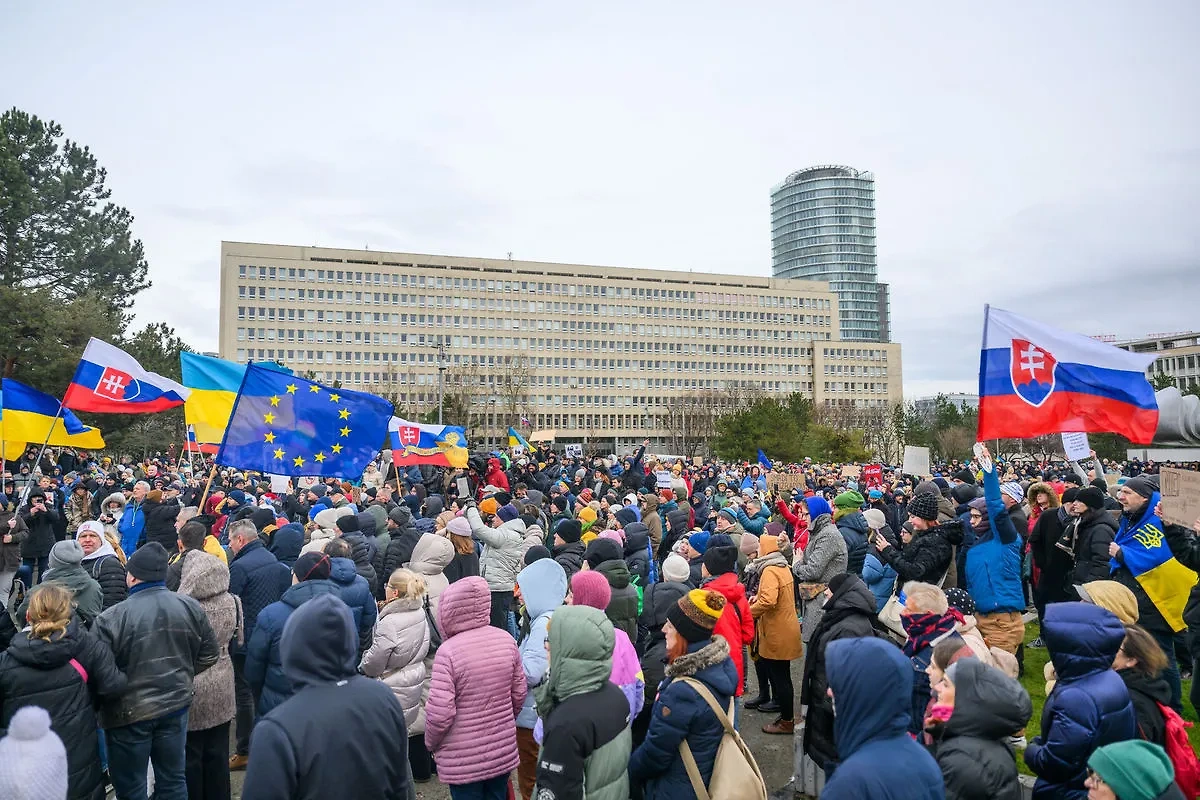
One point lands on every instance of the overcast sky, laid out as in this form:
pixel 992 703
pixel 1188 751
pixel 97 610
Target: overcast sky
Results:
pixel 1043 157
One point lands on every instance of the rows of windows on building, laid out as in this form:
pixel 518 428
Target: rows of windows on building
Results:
pixel 412 375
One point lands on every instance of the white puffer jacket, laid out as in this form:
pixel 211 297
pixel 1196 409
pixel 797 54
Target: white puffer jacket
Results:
pixel 397 657
pixel 432 554
pixel 503 555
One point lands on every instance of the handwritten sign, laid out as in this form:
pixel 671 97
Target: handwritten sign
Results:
pixel 1180 496
pixel 851 471
pixel 916 461
pixel 781 482
pixel 662 479
pixel 1075 446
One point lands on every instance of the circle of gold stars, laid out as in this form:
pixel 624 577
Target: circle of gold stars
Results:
pixel 279 454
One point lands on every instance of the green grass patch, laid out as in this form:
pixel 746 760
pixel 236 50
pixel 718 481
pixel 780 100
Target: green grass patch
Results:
pixel 1035 684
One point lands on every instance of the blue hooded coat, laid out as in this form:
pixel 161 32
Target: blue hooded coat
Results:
pixel 356 593
pixel 543 587
pixel 1089 707
pixel 872 686
pixel 264 664
pixel 993 562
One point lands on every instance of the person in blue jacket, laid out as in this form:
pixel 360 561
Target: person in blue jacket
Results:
pixel 132 525
pixel 264 663
pixel 756 520
pixel 756 481
pixel 870 683
pixel 1089 706
pixel 993 567
pixel 680 712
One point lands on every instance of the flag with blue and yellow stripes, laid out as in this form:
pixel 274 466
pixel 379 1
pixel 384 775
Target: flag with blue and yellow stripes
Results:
pixel 1145 553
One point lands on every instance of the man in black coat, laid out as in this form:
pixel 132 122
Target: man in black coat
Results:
pixel 160 514
pixel 40 518
pixel 295 755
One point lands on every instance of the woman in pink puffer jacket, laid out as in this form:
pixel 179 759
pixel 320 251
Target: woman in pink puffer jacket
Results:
pixel 475 694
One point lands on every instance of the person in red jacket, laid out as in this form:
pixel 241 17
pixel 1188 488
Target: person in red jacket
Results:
pixel 796 516
pixel 735 622
pixel 495 475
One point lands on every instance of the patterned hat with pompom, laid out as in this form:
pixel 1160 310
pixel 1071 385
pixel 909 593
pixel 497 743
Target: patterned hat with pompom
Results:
pixel 696 614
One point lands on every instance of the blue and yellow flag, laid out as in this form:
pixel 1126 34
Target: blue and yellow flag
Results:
pixel 32 416
pixel 517 440
pixel 214 383
pixel 287 425
pixel 1144 551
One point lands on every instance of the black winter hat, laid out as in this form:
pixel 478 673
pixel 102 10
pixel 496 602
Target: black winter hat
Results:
pixel 924 506
pixel 1143 485
pixel 1070 495
pixel 966 476
pixel 720 559
pixel 347 523
pixel 601 550
pixel 312 567
pixel 569 530
pixel 559 503
pixel 536 553
pixel 1091 497
pixel 400 515
pixel 502 498
pixel 626 516
pixel 318 490
pixel 148 562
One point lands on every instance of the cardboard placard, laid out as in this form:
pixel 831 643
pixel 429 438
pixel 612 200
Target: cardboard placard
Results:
pixel 1113 478
pixel 916 461
pixel 851 471
pixel 308 482
pixel 1180 496
pixel 662 479
pixel 573 450
pixel 1075 446
pixel 781 482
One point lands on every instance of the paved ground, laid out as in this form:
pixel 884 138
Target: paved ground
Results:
pixel 774 753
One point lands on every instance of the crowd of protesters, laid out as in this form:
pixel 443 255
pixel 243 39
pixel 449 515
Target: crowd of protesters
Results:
pixel 589 624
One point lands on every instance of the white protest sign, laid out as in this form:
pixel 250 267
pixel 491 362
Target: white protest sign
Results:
pixel 662 479
pixel 1076 446
pixel 518 450
pixel 916 461
pixel 574 450
pixel 309 482
pixel 280 484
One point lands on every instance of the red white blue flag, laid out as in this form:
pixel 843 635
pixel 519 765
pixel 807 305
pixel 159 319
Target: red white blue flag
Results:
pixel 110 381
pixel 1036 380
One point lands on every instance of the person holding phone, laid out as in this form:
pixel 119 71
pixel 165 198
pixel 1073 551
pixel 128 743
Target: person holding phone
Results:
pixel 40 518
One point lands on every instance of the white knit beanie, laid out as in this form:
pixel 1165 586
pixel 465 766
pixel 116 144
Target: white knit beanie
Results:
pixel 676 568
pixel 33 761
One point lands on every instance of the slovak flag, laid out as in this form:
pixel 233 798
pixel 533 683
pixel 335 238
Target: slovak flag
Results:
pixel 416 443
pixel 1036 380
pixel 110 381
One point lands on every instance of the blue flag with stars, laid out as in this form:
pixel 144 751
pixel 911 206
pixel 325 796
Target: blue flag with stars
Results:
pixel 287 425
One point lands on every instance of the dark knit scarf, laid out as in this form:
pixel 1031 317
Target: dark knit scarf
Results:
pixel 924 628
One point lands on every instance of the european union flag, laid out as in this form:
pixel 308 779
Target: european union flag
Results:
pixel 287 425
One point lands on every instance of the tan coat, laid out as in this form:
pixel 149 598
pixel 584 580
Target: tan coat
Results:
pixel 774 611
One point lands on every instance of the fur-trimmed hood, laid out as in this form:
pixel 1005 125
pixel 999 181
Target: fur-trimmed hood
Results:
pixel 690 663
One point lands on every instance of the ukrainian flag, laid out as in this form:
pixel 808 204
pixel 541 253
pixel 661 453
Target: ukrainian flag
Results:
pixel 31 416
pixel 214 383
pixel 516 440
pixel 1145 553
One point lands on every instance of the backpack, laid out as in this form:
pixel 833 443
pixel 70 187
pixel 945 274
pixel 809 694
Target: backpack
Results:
pixel 1179 750
pixel 435 636
pixel 735 774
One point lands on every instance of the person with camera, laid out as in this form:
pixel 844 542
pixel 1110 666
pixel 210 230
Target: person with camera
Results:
pixel 39 517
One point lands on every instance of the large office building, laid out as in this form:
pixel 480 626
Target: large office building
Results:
pixel 823 229
pixel 1178 356
pixel 597 353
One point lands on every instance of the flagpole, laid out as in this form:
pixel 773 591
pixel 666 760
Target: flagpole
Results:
pixel 49 432
pixel 212 473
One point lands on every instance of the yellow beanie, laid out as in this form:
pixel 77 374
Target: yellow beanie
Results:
pixel 587 515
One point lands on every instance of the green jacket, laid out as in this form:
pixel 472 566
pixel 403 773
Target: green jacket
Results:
pixel 88 599
pixel 586 741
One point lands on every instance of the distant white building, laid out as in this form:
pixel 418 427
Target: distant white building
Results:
pixel 926 405
pixel 1178 356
